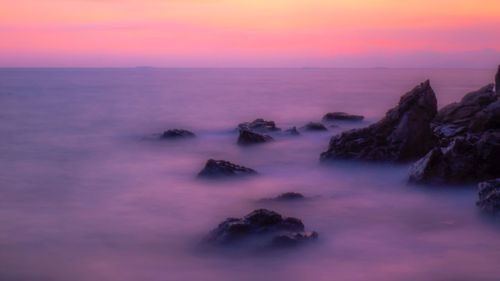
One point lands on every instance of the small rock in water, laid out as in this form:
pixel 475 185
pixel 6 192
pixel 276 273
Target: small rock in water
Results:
pixel 247 138
pixel 259 125
pixel 177 134
pixel 489 196
pixel 314 126
pixel 289 196
pixel 220 168
pixel 267 225
pixel 342 116
pixel 292 131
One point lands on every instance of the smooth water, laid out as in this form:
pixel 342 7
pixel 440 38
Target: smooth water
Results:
pixel 88 193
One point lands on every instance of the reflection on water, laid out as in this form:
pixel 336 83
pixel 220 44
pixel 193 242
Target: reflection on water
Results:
pixel 87 194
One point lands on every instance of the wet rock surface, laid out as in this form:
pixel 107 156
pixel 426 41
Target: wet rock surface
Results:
pixel 314 126
pixel 404 133
pixel 342 116
pixel 269 227
pixel 248 138
pixel 220 168
pixel 177 134
pixel 466 159
pixel 259 125
pixel 489 196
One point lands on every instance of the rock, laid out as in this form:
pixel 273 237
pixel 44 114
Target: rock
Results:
pixel 248 138
pixel 314 126
pixel 497 81
pixel 489 196
pixel 261 223
pixel 342 116
pixel 477 112
pixel 294 239
pixel 220 168
pixel 259 125
pixel 292 131
pixel 289 196
pixel 466 159
pixel 177 134
pixel 404 133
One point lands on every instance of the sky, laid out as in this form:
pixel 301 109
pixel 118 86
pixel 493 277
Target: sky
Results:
pixel 250 33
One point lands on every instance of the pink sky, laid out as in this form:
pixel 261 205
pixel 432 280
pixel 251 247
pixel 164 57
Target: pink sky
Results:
pixel 189 33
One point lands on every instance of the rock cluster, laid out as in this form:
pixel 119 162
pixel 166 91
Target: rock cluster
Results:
pixel 269 227
pixel 342 116
pixel 248 138
pixel 404 133
pixel 468 146
pixel 177 134
pixel 489 196
pixel 220 168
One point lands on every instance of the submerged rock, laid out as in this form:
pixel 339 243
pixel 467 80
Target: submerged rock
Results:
pixel 292 131
pixel 342 116
pixel 489 196
pixel 466 159
pixel 267 225
pixel 259 125
pixel 314 126
pixel 294 239
pixel 177 134
pixel 404 133
pixel 247 138
pixel 287 196
pixel 220 168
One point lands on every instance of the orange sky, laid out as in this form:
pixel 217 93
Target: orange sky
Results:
pixel 246 32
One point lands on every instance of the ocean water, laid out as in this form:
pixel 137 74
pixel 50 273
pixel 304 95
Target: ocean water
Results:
pixel 88 192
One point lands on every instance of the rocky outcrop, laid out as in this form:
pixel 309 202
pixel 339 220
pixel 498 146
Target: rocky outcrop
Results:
pixel 314 126
pixel 220 168
pixel 270 228
pixel 477 112
pixel 342 116
pixel 177 134
pixel 259 125
pixel 404 133
pixel 466 159
pixel 248 138
pixel 489 196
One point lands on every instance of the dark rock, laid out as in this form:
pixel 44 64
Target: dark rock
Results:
pixel 497 81
pixel 247 138
pixel 220 168
pixel 259 125
pixel 342 116
pixel 261 223
pixel 489 196
pixel 289 196
pixel 314 126
pixel 403 134
pixel 477 112
pixel 292 131
pixel 466 159
pixel 294 239
pixel 177 134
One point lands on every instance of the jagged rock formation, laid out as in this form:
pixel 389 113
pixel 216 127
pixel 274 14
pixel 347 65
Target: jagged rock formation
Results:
pixel 259 125
pixel 489 196
pixel 404 133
